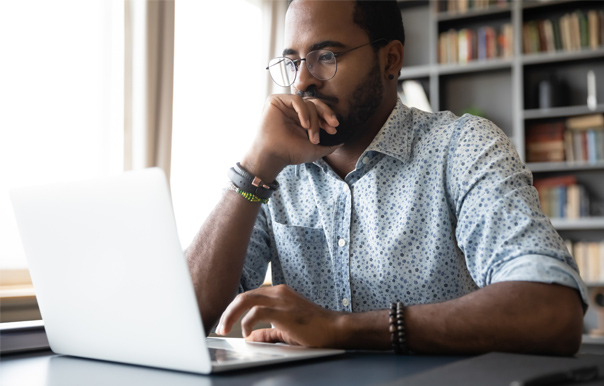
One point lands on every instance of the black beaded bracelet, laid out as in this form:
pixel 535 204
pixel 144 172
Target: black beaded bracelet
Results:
pixel 397 328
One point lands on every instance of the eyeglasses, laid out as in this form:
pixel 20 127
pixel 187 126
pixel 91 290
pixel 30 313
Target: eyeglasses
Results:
pixel 320 63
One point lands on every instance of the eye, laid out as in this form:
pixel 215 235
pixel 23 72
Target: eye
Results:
pixel 326 57
pixel 293 64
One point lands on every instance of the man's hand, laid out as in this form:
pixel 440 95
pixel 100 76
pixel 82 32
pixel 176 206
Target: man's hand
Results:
pixel 296 320
pixel 289 135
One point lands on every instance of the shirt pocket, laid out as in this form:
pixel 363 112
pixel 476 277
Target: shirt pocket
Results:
pixel 303 261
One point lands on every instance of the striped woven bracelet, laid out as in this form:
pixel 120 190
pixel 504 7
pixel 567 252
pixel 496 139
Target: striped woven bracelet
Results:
pixel 248 196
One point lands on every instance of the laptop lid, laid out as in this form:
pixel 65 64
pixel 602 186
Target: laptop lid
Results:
pixel 112 281
pixel 109 272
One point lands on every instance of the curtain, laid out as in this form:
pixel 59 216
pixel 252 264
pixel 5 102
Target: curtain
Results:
pixel 148 84
pixel 273 21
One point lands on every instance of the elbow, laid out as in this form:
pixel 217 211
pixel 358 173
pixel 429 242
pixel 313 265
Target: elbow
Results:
pixel 566 327
pixel 569 337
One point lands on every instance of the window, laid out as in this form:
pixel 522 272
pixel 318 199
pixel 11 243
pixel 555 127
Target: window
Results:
pixel 219 86
pixel 62 102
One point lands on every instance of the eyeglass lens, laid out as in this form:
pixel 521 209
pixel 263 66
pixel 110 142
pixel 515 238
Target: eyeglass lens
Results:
pixel 321 64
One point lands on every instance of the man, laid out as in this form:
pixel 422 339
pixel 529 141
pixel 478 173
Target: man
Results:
pixel 430 210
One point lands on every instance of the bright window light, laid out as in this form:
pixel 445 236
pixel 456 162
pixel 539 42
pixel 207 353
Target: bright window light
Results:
pixel 219 78
pixel 61 99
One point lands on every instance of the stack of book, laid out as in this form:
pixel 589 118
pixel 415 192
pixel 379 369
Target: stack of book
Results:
pixel 584 138
pixel 562 197
pixel 578 139
pixel 573 31
pixel 483 43
pixel 462 6
pixel 590 259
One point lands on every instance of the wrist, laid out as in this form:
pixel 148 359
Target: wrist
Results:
pixel 361 330
pixel 262 167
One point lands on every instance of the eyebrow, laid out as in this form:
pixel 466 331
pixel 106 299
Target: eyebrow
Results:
pixel 316 46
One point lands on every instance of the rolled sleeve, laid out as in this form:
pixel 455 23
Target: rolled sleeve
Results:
pixel 501 228
pixel 542 269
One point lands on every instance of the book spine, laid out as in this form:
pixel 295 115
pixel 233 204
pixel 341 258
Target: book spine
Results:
pixel 591 146
pixel 592 21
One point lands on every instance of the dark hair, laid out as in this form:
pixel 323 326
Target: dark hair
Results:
pixel 379 19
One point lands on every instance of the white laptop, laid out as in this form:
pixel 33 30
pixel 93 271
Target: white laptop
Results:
pixel 112 281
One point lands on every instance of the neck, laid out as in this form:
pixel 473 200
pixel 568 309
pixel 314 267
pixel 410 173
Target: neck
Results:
pixel 344 159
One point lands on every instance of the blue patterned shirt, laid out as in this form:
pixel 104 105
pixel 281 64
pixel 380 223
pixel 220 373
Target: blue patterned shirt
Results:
pixel 437 207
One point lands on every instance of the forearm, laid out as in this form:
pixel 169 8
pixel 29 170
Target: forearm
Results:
pixel 510 316
pixel 217 253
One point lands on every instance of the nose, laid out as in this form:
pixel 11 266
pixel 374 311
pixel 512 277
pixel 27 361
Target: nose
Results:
pixel 304 79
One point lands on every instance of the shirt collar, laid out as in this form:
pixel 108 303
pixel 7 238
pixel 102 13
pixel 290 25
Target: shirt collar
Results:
pixel 395 137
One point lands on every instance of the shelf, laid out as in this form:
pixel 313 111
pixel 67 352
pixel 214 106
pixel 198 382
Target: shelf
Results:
pixel 402 4
pixel 596 284
pixel 544 3
pixel 589 339
pixel 473 13
pixel 586 223
pixel 475 66
pixel 561 56
pixel 415 72
pixel 557 112
pixel 537 167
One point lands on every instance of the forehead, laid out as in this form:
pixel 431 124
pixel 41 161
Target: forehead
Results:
pixel 309 22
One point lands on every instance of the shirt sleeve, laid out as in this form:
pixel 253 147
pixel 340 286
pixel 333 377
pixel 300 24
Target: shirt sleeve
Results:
pixel 501 228
pixel 257 255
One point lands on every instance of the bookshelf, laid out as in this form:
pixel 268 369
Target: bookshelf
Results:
pixel 505 88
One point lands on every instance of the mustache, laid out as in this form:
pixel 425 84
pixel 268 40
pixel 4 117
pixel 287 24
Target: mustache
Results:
pixel 312 92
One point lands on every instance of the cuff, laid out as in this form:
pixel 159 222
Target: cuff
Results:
pixel 543 269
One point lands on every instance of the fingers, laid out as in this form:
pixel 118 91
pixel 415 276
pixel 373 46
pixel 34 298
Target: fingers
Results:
pixel 238 306
pixel 313 115
pixel 255 315
pixel 329 122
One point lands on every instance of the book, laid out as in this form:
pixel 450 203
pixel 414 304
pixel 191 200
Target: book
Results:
pixel 575 32
pixel 583 29
pixel 593 265
pixel 463 46
pixel 592 21
pixel 565 32
pixel 562 197
pixel 508 34
pixel 545 142
pixel 557 36
pixel 601 25
pixel 569 154
pixel 548 33
pixel 573 197
pixel 586 122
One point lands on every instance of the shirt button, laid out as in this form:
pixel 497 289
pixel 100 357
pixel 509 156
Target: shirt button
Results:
pixel 341 242
pixel 345 302
pixel 366 160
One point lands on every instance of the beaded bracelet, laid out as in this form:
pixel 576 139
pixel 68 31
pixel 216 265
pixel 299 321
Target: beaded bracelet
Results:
pixel 397 328
pixel 248 196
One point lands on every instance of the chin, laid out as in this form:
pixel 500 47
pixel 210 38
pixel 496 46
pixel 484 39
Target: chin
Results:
pixel 346 133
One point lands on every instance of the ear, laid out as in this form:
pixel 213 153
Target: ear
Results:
pixel 394 53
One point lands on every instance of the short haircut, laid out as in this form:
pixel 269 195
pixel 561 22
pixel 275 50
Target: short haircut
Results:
pixel 380 19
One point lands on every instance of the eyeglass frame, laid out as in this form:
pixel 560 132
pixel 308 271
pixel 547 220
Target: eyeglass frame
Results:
pixel 335 55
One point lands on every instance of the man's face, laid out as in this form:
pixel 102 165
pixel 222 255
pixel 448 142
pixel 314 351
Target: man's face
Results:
pixel 356 91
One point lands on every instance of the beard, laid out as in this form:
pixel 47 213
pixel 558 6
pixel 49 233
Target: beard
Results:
pixel 363 103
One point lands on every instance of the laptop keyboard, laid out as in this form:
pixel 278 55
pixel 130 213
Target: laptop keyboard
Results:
pixel 220 355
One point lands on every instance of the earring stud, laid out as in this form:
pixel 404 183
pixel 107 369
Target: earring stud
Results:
pixel 390 76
